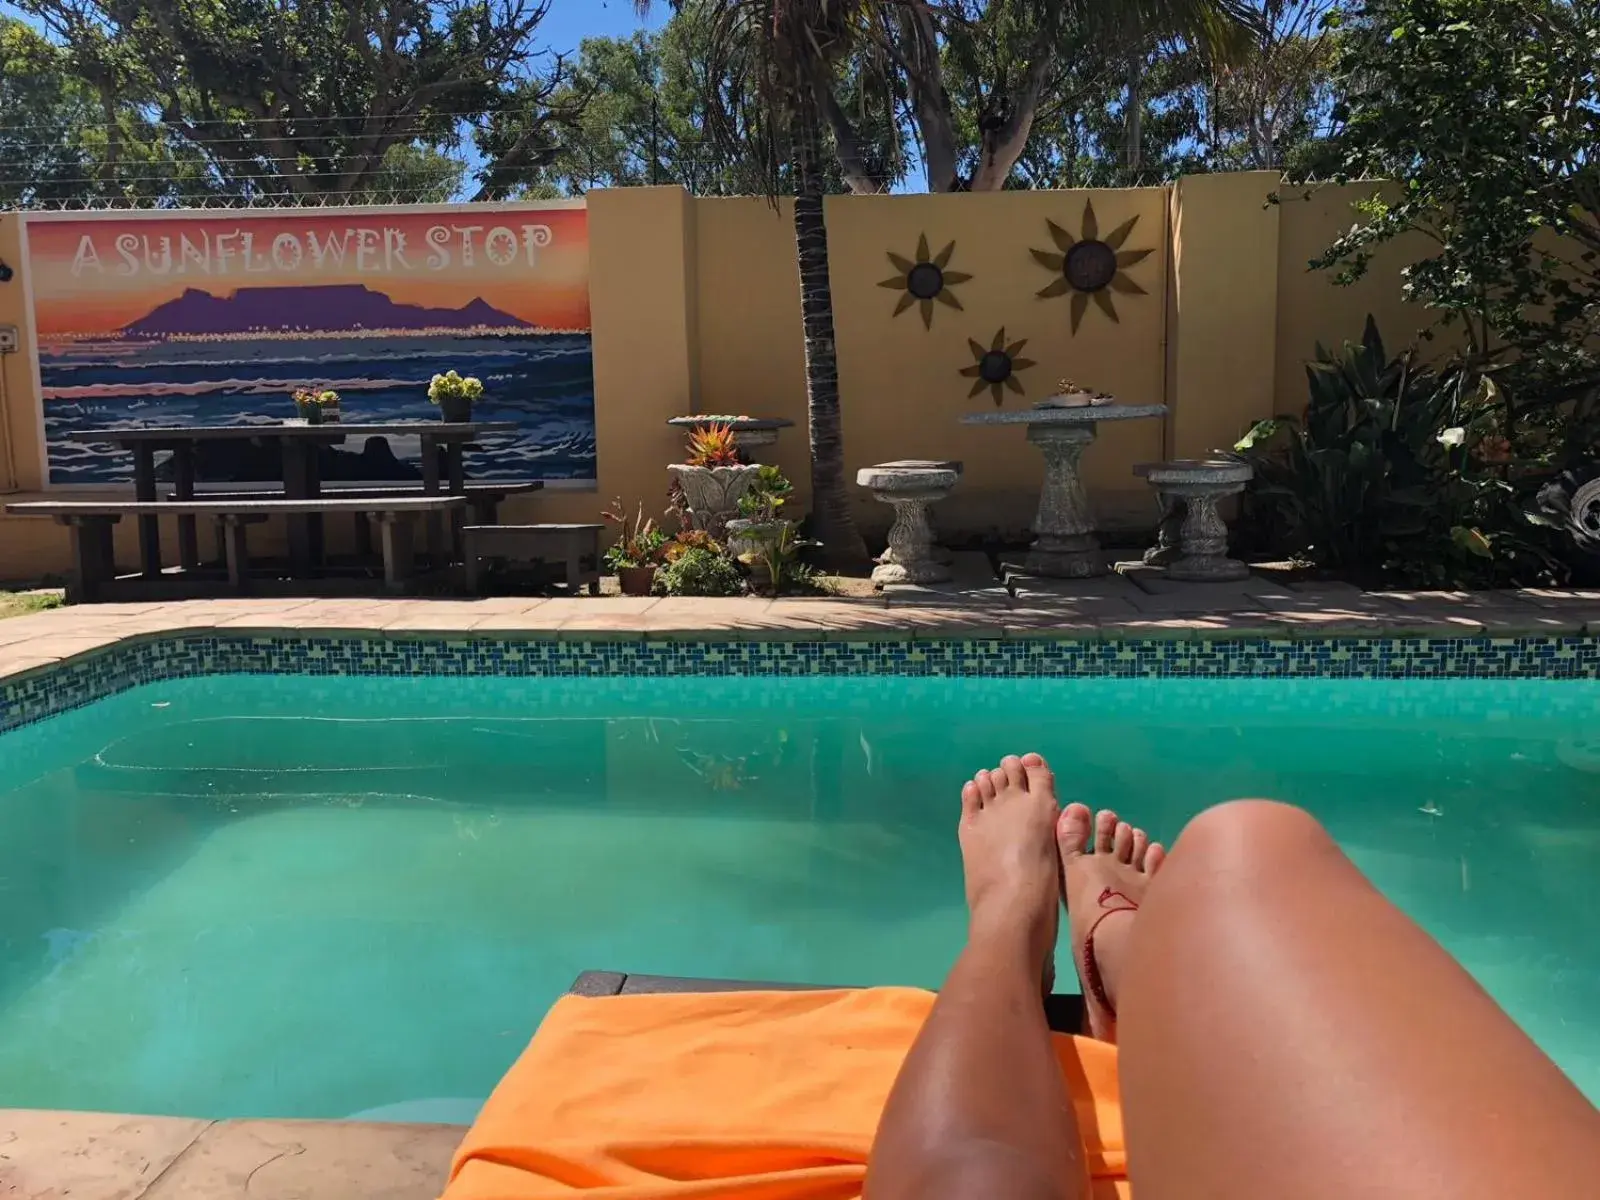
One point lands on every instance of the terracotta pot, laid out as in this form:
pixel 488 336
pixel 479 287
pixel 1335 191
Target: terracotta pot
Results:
pixel 636 581
pixel 455 409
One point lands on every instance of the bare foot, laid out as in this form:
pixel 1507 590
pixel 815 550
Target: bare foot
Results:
pixel 1103 885
pixel 1008 847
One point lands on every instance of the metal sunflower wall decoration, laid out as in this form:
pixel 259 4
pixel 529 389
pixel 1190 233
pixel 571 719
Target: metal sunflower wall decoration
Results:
pixel 925 281
pixel 996 368
pixel 1091 267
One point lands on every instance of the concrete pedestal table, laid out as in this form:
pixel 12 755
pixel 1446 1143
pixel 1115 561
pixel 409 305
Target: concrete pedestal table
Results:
pixel 910 490
pixel 1065 545
pixel 1195 486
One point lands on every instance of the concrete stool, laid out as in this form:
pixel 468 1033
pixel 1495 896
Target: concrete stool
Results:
pixel 939 553
pixel 909 489
pixel 1193 541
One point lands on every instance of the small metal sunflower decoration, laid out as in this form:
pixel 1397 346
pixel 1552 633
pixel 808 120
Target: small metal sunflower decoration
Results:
pixel 996 368
pixel 1091 267
pixel 926 280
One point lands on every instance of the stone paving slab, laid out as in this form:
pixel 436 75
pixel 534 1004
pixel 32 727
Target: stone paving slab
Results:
pixel 47 1155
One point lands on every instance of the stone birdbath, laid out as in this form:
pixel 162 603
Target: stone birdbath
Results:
pixel 1193 542
pixel 1065 545
pixel 910 489
pixel 751 431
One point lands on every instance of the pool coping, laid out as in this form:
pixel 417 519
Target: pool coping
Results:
pixel 54 661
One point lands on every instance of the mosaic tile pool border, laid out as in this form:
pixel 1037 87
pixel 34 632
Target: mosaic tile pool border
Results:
pixel 75 682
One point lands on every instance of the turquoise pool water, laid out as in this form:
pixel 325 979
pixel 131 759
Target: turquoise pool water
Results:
pixel 320 897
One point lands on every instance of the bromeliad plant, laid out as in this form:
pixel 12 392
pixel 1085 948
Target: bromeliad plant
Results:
pixel 713 446
pixel 712 478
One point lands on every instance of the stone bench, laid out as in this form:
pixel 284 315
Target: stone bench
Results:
pixel 576 547
pixel 1193 540
pixel 910 486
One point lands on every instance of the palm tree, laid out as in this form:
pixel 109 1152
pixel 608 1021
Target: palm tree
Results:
pixel 769 59
pixel 774 66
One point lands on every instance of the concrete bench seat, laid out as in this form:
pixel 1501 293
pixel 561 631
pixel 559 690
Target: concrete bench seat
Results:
pixel 91 522
pixel 576 547
pixel 483 502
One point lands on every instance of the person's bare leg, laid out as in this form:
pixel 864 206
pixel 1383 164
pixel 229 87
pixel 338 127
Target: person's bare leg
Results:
pixel 1286 1031
pixel 980 1108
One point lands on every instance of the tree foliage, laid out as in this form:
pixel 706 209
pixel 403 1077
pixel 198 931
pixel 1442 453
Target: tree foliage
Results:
pixel 307 98
pixel 1486 113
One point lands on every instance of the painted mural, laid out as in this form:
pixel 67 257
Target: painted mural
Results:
pixel 215 319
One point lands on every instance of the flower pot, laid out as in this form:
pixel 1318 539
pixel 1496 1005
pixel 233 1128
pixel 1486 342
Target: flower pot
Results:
pixel 455 409
pixel 330 415
pixel 636 581
pixel 712 493
pixel 311 414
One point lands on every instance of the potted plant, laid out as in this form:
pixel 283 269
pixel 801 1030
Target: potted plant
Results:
pixel 637 551
pixel 759 525
pixel 316 406
pixel 1074 395
pixel 455 395
pixel 713 477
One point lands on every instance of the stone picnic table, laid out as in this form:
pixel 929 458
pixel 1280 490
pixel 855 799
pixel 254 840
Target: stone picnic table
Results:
pixel 298 445
pixel 1065 545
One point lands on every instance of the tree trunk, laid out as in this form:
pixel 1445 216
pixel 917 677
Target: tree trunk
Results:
pixel 833 523
pixel 1134 128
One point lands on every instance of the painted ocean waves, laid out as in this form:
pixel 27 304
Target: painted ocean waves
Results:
pixel 131 335
pixel 542 381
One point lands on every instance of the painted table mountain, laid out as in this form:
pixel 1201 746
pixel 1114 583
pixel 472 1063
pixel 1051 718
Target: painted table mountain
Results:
pixel 335 308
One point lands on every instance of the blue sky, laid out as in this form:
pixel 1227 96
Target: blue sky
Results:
pixel 570 21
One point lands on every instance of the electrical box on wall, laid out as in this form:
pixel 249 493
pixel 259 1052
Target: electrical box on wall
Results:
pixel 10 341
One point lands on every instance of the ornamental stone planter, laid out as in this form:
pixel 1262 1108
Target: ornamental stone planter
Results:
pixel 712 493
pixel 749 539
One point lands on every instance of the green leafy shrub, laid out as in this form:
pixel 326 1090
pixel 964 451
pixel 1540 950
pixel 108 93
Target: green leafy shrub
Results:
pixel 700 572
pixel 1397 472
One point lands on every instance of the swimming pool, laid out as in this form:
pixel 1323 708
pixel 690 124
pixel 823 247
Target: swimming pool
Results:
pixel 324 896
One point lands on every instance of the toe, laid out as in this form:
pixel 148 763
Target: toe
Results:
pixel 1105 829
pixel 1141 846
pixel 1153 859
pixel 984 781
pixel 970 801
pixel 1122 842
pixel 1072 830
pixel 1013 771
pixel 1040 777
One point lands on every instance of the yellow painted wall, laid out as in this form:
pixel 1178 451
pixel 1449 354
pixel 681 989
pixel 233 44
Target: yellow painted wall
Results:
pixel 1313 308
pixel 902 390
pixel 747 290
pixel 696 307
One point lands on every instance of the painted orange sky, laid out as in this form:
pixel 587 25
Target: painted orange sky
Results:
pixel 96 275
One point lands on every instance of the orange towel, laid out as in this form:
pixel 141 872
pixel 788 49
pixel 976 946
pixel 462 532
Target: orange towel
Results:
pixel 755 1095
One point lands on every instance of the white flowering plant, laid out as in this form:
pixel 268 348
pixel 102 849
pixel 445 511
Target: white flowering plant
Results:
pixel 453 386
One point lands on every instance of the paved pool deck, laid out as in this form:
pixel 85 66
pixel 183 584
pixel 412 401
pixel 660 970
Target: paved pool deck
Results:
pixel 93 1156
pixel 1135 604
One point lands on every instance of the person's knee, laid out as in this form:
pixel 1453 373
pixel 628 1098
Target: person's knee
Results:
pixel 1251 834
